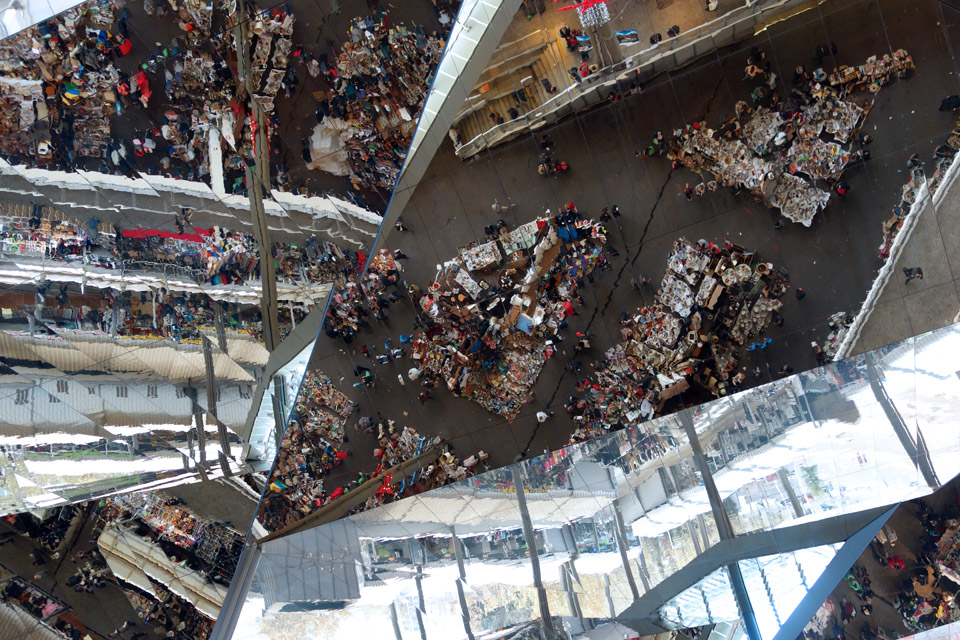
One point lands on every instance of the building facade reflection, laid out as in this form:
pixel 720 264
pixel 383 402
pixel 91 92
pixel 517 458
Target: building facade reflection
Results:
pixel 615 521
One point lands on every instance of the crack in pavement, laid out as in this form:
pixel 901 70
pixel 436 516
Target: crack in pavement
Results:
pixel 597 309
pixel 716 90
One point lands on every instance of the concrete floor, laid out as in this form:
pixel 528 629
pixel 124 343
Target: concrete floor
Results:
pixel 835 261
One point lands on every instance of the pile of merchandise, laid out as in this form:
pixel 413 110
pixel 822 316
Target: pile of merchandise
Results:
pixel 489 331
pixel 711 301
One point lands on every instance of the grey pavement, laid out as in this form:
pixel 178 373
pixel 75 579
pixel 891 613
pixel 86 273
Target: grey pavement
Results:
pixel 835 261
pixel 908 309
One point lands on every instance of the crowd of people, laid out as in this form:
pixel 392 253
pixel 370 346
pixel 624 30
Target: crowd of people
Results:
pixel 375 86
pixel 779 146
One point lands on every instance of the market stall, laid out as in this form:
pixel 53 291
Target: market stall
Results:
pixel 712 300
pixel 492 332
pixel 808 137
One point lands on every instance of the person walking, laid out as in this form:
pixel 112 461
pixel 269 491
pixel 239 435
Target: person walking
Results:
pixel 424 396
pixel 399 225
pixel 842 188
pixel 542 416
pixel 912 273
pixel 950 103
pixel 575 74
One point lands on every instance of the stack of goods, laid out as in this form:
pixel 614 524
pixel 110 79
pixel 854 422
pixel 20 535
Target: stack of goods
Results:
pixel 489 334
pixel 798 200
pixel 711 301
pixel 751 150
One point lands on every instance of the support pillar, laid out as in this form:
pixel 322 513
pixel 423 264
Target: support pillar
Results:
pixel 458 553
pixel 621 531
pixel 530 535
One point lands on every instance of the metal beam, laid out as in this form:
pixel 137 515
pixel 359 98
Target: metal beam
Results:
pixel 642 615
pixel 340 507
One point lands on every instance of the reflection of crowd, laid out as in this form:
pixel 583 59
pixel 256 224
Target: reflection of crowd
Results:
pixel 377 84
pixel 356 299
pixel 316 444
pixel 91 571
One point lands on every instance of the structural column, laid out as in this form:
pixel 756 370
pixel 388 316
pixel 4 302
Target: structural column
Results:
pixel 724 527
pixel 530 535
pixel 464 611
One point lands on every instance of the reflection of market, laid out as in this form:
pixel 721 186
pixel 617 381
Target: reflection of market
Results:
pixel 494 313
pixel 780 147
pixel 306 478
pixel 711 302
pixel 143 563
pixel 153 284
pixel 390 65
pixel 906 581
